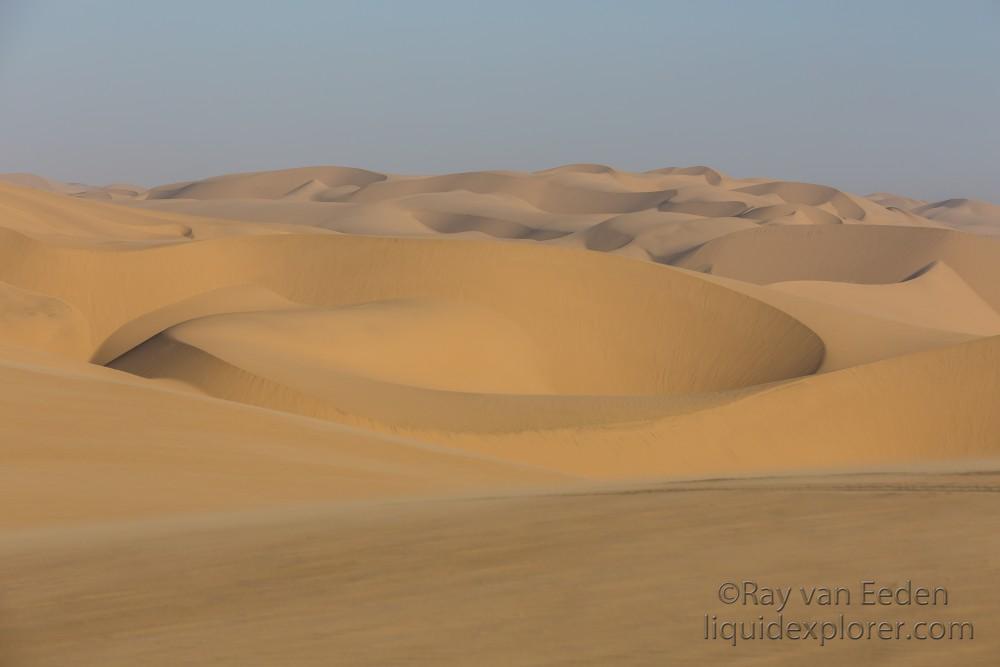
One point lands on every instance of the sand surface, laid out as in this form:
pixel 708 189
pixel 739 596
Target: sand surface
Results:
pixel 611 577
pixel 334 416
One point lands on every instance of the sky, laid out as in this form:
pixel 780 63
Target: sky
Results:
pixel 868 95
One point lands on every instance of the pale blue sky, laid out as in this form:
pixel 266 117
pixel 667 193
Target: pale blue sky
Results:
pixel 865 95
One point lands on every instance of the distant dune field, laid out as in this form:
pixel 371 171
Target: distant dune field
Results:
pixel 330 386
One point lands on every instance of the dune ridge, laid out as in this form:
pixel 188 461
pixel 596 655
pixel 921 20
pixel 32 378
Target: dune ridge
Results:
pixel 559 205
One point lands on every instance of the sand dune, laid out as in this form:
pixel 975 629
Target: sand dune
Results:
pixel 871 254
pixel 935 298
pixel 104 192
pixel 36 182
pixel 926 406
pixel 70 221
pixel 850 337
pixel 282 321
pixel 415 342
pixel 813 195
pixel 889 199
pixel 292 385
pixel 265 185
pixel 235 299
pixel 465 342
pixel 969 215
pixel 658 215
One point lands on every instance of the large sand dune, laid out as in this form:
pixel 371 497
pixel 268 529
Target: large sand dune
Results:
pixel 792 326
pixel 260 380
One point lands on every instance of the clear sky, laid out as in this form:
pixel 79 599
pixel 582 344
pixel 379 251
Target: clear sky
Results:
pixel 867 95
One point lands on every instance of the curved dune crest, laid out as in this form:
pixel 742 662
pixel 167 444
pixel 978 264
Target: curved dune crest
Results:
pixel 811 194
pixel 965 214
pixel 264 185
pixel 712 177
pixel 309 190
pixel 969 215
pixel 359 400
pixel 415 342
pixel 937 298
pixel 849 253
pixel 236 299
pixel 934 405
pixel 713 209
pixel 850 337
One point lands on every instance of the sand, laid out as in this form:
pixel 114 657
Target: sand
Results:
pixel 602 577
pixel 334 416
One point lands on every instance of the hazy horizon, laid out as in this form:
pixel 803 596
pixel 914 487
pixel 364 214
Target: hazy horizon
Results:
pixel 898 97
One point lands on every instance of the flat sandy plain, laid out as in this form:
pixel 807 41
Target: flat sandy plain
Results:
pixel 329 416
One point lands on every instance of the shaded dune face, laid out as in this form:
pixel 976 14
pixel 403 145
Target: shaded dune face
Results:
pixel 453 223
pixel 679 208
pixel 424 343
pixel 934 298
pixel 808 193
pixel 269 185
pixel 550 194
pixel 851 254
